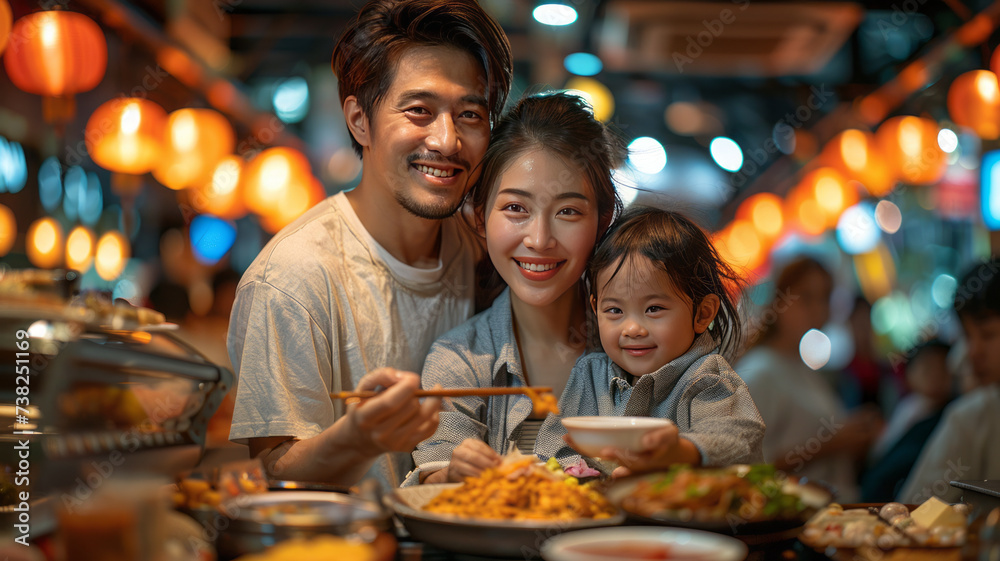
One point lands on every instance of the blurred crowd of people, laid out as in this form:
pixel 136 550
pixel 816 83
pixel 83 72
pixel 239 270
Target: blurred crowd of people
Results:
pixel 879 430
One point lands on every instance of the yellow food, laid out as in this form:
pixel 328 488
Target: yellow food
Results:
pixel 322 547
pixel 542 403
pixel 521 490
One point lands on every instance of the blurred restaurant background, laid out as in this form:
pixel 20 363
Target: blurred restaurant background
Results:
pixel 155 146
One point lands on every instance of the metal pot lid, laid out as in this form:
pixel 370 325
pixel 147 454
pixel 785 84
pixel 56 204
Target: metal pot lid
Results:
pixel 303 510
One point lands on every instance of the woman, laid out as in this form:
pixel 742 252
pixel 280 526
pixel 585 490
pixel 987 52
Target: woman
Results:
pixel 808 431
pixel 544 198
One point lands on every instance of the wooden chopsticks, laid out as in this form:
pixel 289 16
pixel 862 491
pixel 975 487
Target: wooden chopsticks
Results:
pixel 453 392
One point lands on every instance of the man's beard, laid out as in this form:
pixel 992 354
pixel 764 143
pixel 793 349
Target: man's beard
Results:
pixel 427 211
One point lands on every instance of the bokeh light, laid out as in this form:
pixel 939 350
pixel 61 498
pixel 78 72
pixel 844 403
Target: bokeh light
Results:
pixel 291 99
pixel 111 255
pixel 583 64
pixel 13 166
pixel 211 238
pixel 80 249
pixel 943 290
pixel 815 349
pixel 8 229
pixel 50 183
pixel 554 14
pixel 647 155
pixel 45 243
pixel 948 140
pixel 857 231
pixel 726 153
pixel 597 95
pixel 888 217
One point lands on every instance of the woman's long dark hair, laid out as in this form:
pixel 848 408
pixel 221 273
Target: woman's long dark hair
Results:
pixel 682 250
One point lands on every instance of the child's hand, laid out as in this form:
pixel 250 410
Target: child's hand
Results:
pixel 661 448
pixel 470 458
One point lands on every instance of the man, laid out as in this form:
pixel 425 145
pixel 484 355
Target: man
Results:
pixel 964 443
pixel 366 280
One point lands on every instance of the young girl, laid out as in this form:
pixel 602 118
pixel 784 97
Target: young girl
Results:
pixel 544 197
pixel 665 311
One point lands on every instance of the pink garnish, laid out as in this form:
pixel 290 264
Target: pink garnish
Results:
pixel 581 469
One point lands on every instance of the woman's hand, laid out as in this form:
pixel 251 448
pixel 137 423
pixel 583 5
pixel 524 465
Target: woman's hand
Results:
pixel 470 458
pixel 395 420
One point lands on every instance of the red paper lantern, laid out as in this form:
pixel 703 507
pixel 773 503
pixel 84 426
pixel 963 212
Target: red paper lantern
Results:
pixel 223 194
pixel 5 23
pixel 195 141
pixel 764 211
pixel 299 198
pixel 125 135
pixel 911 148
pixel 974 102
pixel 56 54
pixel 855 154
pixel 276 174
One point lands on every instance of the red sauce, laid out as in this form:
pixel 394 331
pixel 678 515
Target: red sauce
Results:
pixel 636 550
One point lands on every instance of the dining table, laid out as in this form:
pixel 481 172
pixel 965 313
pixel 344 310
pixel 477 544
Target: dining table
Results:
pixel 782 546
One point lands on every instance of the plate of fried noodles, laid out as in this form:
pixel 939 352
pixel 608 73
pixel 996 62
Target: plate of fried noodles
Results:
pixel 507 511
pixel 735 500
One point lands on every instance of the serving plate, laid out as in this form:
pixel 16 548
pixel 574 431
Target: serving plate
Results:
pixel 255 522
pixel 629 543
pixel 734 524
pixel 479 536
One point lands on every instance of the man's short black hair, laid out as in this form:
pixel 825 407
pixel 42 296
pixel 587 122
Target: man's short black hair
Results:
pixel 978 292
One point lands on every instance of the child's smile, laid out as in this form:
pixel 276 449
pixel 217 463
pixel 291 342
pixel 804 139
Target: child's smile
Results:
pixel 644 322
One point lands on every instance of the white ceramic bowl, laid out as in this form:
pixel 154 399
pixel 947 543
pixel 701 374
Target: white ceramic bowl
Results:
pixel 593 434
pixel 625 543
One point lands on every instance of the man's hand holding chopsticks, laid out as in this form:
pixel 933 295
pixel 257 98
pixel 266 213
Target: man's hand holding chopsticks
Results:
pixel 394 420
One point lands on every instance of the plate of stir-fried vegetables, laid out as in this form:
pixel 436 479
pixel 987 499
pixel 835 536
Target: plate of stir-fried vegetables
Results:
pixel 743 499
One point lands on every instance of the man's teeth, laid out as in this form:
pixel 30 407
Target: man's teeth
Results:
pixel 538 268
pixel 435 171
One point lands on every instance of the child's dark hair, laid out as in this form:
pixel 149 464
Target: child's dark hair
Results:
pixel 564 125
pixel 682 250
pixel 978 293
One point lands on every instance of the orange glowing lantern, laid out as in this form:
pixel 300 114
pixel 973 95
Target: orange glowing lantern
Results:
pixel 111 255
pixel 974 102
pixel 8 228
pixel 80 249
pixel 126 135
pixel 855 154
pixel 832 193
pixel 56 54
pixel 744 245
pixel 5 22
pixel 45 243
pixel 274 175
pixel 995 61
pixel 195 141
pixel 910 146
pixel 298 199
pixel 223 194
pixel 764 211
pixel 803 213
